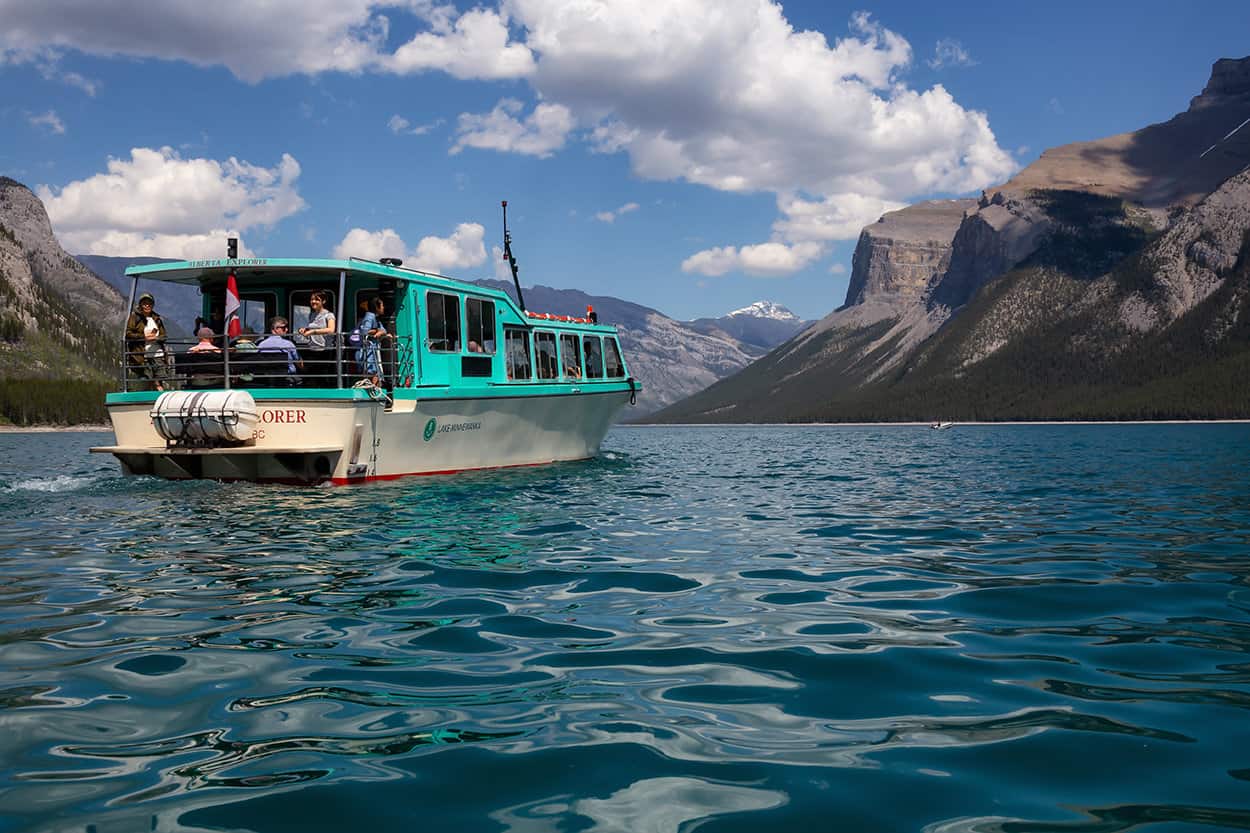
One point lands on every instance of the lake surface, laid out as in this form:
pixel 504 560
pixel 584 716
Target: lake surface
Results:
pixel 998 628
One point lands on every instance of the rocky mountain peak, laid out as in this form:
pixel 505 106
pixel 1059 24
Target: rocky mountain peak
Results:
pixel 765 309
pixel 1230 78
pixel 23 215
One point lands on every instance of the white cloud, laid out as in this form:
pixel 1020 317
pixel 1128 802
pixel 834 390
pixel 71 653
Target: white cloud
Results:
pixel 463 249
pixel 398 124
pixel 950 53
pixel 158 204
pixel 256 41
pixel 837 269
pixel 49 121
pixel 476 45
pixel 769 260
pixel 721 93
pixel 541 133
pixel 610 216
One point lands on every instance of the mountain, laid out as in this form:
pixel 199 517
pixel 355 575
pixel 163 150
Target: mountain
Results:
pixel 672 359
pixel 60 325
pixel 759 327
pixel 1105 280
pixel 178 304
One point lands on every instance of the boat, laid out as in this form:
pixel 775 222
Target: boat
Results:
pixel 466 378
pixel 942 426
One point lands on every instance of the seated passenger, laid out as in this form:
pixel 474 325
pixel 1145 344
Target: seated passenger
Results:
pixel 279 343
pixel 474 347
pixel 205 344
pixel 572 371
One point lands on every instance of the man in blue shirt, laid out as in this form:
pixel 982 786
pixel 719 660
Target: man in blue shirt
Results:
pixel 279 343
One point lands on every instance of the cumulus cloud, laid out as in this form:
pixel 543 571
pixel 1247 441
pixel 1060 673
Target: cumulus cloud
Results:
pixel 767 260
pixel 610 216
pixel 722 93
pixel 49 121
pixel 950 53
pixel 256 41
pixel 541 133
pixel 462 249
pixel 398 124
pixel 158 204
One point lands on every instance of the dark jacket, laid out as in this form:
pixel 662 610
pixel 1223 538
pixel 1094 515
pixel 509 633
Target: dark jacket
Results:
pixel 135 342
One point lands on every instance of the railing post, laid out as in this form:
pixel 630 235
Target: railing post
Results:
pixel 338 328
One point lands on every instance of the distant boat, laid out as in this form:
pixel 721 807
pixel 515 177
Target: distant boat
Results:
pixel 941 426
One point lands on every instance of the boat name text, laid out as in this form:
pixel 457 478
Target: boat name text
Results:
pixel 289 416
pixel 459 426
pixel 227 261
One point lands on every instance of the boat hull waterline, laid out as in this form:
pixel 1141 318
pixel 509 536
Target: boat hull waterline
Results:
pixel 337 439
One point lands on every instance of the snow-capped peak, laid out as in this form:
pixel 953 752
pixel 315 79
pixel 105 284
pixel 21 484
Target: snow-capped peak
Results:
pixel 765 309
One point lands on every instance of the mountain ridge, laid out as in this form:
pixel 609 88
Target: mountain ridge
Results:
pixel 1137 251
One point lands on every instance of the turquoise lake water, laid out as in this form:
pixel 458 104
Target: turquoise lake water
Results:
pixel 991 628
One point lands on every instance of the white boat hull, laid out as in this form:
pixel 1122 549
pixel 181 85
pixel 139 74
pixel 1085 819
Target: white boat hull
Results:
pixel 308 440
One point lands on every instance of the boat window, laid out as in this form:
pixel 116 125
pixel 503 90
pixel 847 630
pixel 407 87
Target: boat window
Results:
pixel 480 317
pixel 545 347
pixel 594 356
pixel 612 355
pixel 255 310
pixel 517 345
pixel 301 311
pixel 570 357
pixel 443 317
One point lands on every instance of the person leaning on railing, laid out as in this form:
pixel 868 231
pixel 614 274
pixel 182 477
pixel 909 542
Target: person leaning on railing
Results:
pixel 320 324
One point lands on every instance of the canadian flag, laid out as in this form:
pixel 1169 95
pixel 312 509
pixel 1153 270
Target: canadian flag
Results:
pixel 233 325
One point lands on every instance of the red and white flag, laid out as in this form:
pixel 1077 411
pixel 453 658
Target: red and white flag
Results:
pixel 233 325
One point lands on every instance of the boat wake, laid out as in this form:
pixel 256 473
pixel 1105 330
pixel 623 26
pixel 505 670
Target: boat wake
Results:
pixel 60 483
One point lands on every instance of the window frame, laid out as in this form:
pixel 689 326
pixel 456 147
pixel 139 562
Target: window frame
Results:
pixel 609 344
pixel 511 335
pixel 541 336
pixel 596 372
pixel 453 344
pixel 482 341
pixel 571 338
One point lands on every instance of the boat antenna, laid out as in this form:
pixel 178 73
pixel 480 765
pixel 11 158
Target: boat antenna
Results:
pixel 507 255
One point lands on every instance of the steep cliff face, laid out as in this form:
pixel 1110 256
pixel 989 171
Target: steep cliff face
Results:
pixel 1191 260
pixel 24 216
pixel 49 326
pixel 899 257
pixel 998 234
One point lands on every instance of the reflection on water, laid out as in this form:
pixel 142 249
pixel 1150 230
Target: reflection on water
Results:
pixel 994 628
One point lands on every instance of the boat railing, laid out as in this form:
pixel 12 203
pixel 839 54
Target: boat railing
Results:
pixel 239 364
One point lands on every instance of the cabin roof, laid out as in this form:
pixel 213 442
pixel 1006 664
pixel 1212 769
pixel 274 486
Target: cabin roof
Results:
pixel 270 270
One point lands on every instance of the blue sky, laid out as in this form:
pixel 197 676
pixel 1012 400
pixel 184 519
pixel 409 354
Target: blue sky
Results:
pixel 690 155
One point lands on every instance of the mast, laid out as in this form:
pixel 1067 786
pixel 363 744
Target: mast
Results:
pixel 507 255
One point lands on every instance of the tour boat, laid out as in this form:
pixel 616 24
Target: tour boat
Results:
pixel 465 378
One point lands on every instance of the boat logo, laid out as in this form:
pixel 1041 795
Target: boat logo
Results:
pixel 430 428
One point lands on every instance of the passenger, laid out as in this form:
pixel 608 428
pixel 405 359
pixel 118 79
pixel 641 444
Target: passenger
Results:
pixel 145 344
pixel 372 333
pixel 246 341
pixel 474 347
pixel 205 344
pixel 572 371
pixel 320 324
pixel 216 320
pixel 279 343
pixel 245 346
